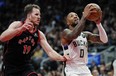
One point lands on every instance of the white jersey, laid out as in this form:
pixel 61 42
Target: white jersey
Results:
pixel 77 50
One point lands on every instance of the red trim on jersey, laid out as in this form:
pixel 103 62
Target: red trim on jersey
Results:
pixel 38 36
pixel 32 73
pixel 33 31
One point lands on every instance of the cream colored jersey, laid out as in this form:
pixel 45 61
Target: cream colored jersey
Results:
pixel 77 50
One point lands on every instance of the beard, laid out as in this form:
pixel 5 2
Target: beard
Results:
pixel 74 24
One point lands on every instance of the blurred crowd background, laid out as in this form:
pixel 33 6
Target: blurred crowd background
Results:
pixel 53 13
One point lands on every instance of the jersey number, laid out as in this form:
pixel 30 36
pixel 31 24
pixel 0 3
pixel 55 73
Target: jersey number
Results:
pixel 81 53
pixel 26 49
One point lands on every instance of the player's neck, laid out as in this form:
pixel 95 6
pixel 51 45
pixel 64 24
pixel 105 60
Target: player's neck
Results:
pixel 71 28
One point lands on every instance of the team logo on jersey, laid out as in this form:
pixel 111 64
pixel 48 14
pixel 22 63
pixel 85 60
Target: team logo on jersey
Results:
pixel 35 35
pixel 83 35
pixel 27 48
pixel 80 43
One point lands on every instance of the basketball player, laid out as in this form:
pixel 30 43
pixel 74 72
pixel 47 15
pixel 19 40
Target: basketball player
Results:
pixel 75 43
pixel 21 39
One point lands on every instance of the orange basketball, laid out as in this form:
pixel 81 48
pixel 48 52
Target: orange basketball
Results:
pixel 96 12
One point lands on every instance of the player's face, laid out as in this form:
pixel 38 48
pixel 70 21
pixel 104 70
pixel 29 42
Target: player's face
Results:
pixel 35 16
pixel 72 19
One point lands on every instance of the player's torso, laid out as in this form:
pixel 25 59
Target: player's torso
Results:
pixel 78 50
pixel 19 49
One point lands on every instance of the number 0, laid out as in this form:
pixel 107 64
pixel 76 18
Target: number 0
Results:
pixel 81 53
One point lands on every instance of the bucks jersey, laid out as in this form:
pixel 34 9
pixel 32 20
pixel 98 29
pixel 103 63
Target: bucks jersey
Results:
pixel 77 50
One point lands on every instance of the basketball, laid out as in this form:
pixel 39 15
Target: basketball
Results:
pixel 97 12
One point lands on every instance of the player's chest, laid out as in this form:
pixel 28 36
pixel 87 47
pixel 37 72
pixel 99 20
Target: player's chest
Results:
pixel 28 39
pixel 81 40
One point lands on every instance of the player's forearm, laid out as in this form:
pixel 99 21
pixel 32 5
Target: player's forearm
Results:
pixel 50 52
pixel 8 34
pixel 78 28
pixel 55 56
pixel 102 33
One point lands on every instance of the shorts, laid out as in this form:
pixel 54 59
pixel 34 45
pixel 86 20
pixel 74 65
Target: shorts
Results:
pixel 26 70
pixel 77 71
pixel 31 73
pixel 74 74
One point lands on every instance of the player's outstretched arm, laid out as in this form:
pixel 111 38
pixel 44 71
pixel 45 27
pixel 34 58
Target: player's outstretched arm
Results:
pixel 10 32
pixel 48 49
pixel 14 29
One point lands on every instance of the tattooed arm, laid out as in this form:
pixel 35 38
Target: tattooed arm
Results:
pixel 97 38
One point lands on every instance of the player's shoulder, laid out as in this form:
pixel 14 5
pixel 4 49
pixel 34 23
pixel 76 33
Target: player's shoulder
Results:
pixel 86 33
pixel 41 33
pixel 66 31
pixel 16 23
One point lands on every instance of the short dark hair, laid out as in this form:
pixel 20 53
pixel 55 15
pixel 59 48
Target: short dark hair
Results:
pixel 28 8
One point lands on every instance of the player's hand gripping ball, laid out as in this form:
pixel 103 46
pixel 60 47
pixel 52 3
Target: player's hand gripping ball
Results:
pixel 96 12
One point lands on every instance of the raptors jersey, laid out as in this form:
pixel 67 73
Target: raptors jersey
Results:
pixel 77 50
pixel 19 49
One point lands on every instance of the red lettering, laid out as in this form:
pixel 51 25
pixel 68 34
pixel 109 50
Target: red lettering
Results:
pixel 26 49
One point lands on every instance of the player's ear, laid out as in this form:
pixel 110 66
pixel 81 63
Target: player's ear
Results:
pixel 82 13
pixel 28 15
